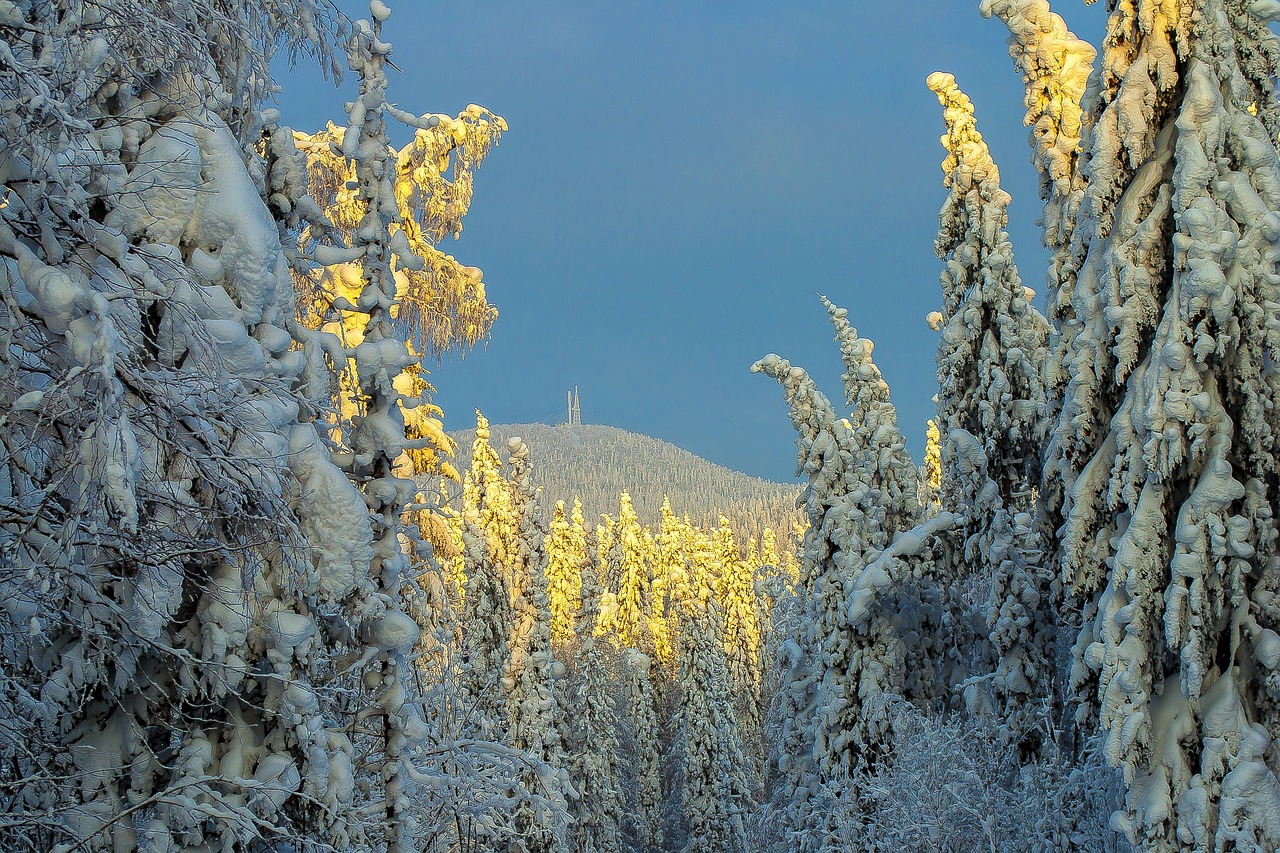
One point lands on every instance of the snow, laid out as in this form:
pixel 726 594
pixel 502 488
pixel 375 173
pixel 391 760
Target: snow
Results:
pixel 202 543
pixel 331 515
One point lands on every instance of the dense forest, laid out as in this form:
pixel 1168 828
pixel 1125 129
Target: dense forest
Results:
pixel 236 618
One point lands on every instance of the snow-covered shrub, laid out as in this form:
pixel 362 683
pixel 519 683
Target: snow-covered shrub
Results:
pixel 953 785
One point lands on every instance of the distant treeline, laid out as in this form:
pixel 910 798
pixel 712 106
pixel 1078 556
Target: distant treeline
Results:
pixel 597 463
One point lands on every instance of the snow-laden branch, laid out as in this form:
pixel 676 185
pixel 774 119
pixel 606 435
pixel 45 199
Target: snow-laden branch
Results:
pixel 880 573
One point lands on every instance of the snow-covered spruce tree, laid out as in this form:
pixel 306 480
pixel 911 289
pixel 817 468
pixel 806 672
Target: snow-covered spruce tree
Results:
pixel 993 343
pixel 737 597
pixel 377 440
pixel 489 526
pixel 641 754
pixel 884 467
pixel 991 405
pixel 532 675
pixel 183 559
pixel 442 302
pixel 609 568
pixel 475 781
pixel 628 578
pixel 859 589
pixel 494 498
pixel 1055 67
pixel 715 796
pixel 593 748
pixel 931 471
pixel 566 549
pixel 487 614
pixel 1167 441
pixel 874 425
pixel 798 802
pixel 668 563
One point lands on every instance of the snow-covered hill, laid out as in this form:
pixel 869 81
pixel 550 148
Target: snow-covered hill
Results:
pixel 597 463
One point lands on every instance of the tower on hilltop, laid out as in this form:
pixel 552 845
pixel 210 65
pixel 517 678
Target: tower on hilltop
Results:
pixel 575 411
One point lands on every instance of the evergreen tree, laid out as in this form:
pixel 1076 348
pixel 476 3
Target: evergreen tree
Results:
pixel 531 673
pixel 737 598
pixel 442 301
pixel 186 561
pixel 1055 67
pixel 487 609
pixel 805 805
pixel 993 343
pixel 931 473
pixel 991 402
pixel 863 598
pixel 566 548
pixel 715 795
pixel 669 560
pixel 1166 444
pixel 594 766
pixel 629 578
pixel 644 805
pixel 873 423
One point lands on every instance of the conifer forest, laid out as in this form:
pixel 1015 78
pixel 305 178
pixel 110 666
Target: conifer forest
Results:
pixel 256 598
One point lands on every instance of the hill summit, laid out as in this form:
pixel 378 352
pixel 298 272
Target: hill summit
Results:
pixel 597 463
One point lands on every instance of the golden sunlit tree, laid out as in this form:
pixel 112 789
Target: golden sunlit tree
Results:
pixel 629 615
pixel 931 487
pixel 566 548
pixel 741 627
pixel 440 303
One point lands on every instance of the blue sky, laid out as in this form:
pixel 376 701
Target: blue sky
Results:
pixel 678 183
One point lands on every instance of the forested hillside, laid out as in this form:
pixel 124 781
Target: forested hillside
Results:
pixel 597 463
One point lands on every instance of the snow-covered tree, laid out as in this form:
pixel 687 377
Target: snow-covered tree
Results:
pixel 799 802
pixel 487 613
pixel 849 656
pixel 566 548
pixel 186 563
pixel 737 598
pixel 873 422
pixel 377 437
pixel 532 675
pixel 1055 67
pixel 442 303
pixel 931 470
pixel 593 758
pixel 668 563
pixel 628 578
pixel 991 404
pixel 993 344
pixel 494 498
pixel 642 765
pixel 1166 445
pixel 715 796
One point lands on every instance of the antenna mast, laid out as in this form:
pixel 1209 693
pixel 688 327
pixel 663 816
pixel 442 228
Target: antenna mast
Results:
pixel 575 410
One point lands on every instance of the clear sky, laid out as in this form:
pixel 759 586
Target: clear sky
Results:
pixel 680 180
